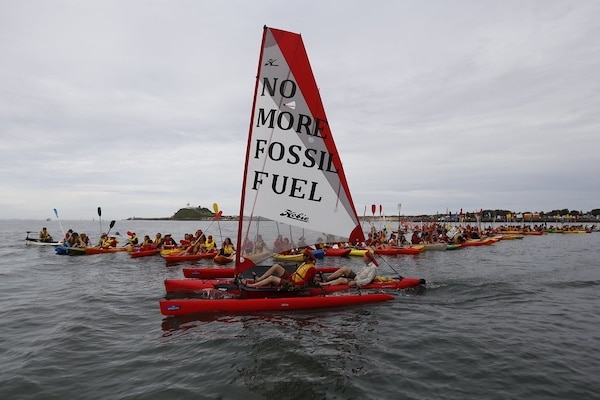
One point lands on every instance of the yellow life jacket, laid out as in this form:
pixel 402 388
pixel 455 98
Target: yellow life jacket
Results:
pixel 228 250
pixel 304 274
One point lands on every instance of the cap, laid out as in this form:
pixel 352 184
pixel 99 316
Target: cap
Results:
pixel 371 258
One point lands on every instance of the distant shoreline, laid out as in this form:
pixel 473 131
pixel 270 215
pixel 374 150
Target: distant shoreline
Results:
pixel 408 218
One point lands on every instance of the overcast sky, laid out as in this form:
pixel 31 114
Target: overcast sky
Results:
pixel 142 107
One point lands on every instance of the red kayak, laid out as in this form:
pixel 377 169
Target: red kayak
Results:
pixel 144 253
pixel 477 242
pixel 195 306
pixel 341 252
pixel 223 260
pixel 200 285
pixel 174 258
pixel 102 250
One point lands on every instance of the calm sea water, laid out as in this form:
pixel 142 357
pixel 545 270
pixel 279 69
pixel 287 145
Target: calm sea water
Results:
pixel 516 320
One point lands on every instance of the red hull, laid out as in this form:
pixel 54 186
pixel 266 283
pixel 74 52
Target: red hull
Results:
pixel 198 285
pixel 195 306
pixel 174 258
pixel 337 252
pixel 144 253
pixel 102 250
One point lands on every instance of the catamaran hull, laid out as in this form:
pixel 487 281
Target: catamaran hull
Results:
pixel 197 306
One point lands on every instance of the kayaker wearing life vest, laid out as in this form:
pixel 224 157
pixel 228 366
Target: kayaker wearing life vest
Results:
pixel 74 241
pixel 210 244
pixel 345 275
pixel 45 236
pixel 147 242
pixel 133 239
pixel 278 276
pixel 227 248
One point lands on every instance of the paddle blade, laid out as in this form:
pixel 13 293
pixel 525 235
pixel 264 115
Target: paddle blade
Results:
pixel 99 212
pixel 112 223
pixel 373 208
pixel 218 215
pixel 56 213
pixel 216 208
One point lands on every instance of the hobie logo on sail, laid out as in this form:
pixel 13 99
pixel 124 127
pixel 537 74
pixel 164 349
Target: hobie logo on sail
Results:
pixel 298 216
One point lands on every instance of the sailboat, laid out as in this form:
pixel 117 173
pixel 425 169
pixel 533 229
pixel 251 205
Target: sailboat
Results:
pixel 294 185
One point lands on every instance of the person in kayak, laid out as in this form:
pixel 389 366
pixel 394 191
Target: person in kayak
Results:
pixel 345 275
pixel 147 242
pixel 45 236
pixel 74 241
pixel 210 244
pixel 279 276
pixel 227 248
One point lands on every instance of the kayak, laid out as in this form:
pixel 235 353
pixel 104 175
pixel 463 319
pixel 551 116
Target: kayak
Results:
pixel 297 257
pixel 341 252
pixel 101 250
pixel 174 258
pixel 223 260
pixel 358 252
pixel 179 307
pixel 38 242
pixel 144 253
pixel 436 246
pixel 201 285
pixel 389 251
pixel 70 251
pixel 478 242
pixel 509 236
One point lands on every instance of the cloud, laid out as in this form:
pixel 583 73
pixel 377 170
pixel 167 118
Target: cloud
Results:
pixel 143 106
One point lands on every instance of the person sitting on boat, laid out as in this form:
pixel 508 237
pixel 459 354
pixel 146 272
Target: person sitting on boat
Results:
pixel 168 241
pixel 302 242
pixel 248 246
pixel 415 239
pixel 132 240
pixel 198 246
pixel 84 240
pixel 74 240
pixel 103 240
pixel 158 240
pixel 210 244
pixel 111 242
pixel 277 275
pixel 403 241
pixel 345 275
pixel 147 242
pixel 45 236
pixel 260 244
pixel 393 241
pixel 227 248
